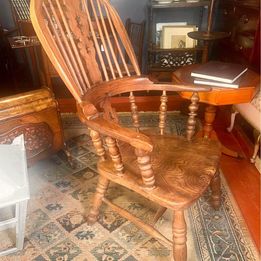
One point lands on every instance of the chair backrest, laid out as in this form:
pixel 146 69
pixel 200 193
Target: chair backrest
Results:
pixel 80 38
pixel 136 35
pixel 21 15
pixel 20 10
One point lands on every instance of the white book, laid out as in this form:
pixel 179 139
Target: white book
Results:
pixel 219 71
pixel 217 84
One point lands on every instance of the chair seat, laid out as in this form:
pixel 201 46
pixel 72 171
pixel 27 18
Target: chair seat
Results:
pixel 183 169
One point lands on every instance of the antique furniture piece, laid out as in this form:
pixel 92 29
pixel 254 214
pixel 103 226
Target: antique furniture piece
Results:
pixel 170 170
pixel 7 57
pixel 249 86
pixel 136 34
pixel 208 36
pixel 34 114
pixel 160 59
pixel 242 20
pixel 26 42
pixel 42 70
pixel 14 190
pixel 251 111
pixel 21 16
pixel 31 46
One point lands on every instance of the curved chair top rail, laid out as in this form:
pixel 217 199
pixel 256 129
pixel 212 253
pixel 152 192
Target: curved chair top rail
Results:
pixel 85 41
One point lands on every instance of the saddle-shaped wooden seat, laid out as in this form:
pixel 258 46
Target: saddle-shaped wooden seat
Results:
pixel 182 169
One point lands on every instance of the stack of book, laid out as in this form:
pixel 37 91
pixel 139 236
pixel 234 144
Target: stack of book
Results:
pixel 219 74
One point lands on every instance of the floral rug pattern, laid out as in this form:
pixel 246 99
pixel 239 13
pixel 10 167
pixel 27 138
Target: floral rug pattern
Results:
pixel 56 227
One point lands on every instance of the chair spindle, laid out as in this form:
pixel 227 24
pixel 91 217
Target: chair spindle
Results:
pixel 115 155
pixel 75 36
pixel 69 40
pixel 62 47
pixel 108 37
pixel 97 46
pixel 146 170
pixel 125 41
pixel 134 111
pixel 116 42
pixel 98 144
pixel 163 112
pixel 106 50
pixel 191 124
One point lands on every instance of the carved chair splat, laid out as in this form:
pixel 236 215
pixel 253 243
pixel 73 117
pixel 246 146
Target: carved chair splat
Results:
pixel 172 171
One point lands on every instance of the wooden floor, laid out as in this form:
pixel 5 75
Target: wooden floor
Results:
pixel 242 177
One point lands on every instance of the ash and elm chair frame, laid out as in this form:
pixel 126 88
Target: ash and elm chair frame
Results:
pixel 172 171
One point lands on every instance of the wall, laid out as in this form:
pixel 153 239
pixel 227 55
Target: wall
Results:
pixel 134 9
pixel 137 11
pixel 6 18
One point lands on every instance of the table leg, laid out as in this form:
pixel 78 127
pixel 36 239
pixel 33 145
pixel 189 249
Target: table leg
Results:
pixel 205 52
pixel 210 115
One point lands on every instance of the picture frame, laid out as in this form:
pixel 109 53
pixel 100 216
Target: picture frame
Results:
pixel 158 29
pixel 177 37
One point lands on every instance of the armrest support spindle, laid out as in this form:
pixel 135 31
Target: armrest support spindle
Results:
pixel 191 124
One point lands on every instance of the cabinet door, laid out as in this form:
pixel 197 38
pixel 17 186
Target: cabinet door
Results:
pixel 246 27
pixel 226 17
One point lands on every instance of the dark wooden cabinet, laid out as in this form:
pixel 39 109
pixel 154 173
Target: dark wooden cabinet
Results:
pixel 242 20
pixel 167 60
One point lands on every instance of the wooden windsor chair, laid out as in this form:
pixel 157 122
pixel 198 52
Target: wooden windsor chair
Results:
pixel 170 170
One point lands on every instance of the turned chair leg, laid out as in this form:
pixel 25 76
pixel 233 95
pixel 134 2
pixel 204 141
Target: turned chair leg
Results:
pixel 256 149
pixel 101 188
pixel 179 230
pixel 232 120
pixel 69 156
pixel 215 186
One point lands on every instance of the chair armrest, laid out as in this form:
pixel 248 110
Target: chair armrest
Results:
pixel 135 139
pixel 135 83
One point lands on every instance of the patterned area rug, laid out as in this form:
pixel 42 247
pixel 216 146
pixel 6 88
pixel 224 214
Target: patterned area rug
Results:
pixel 56 227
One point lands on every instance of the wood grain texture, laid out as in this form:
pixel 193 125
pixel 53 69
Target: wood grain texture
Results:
pixel 182 169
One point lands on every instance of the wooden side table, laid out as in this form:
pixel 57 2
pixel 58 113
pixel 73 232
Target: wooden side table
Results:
pixel 249 85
